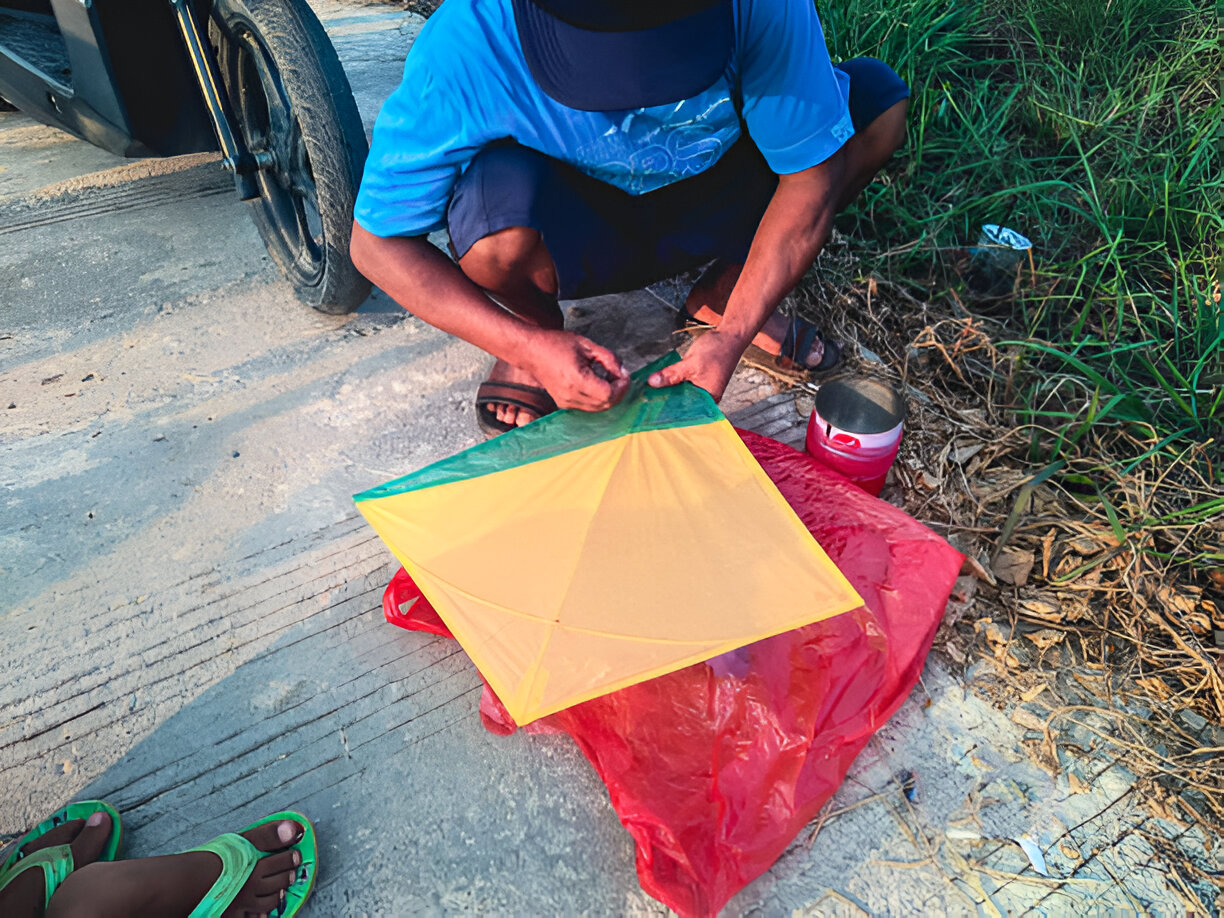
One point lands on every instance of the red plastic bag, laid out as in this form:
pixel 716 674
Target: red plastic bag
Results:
pixel 715 768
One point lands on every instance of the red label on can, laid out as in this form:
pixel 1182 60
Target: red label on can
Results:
pixel 844 439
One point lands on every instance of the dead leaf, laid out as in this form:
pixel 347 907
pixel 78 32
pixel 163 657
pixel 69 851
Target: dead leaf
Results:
pixel 1033 692
pixel 1066 564
pixel 993 633
pixel 1047 544
pixel 1045 638
pixel 1198 622
pixel 1069 852
pixel 1044 607
pixel 998 485
pixel 973 566
pixel 1077 784
pixel 1074 608
pixel 1176 602
pixel 997 639
pixel 1085 545
pixel 1014 565
pixel 962 454
pixel 1027 719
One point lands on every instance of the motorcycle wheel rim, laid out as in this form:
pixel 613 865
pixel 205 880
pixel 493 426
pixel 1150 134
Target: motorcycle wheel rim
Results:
pixel 287 193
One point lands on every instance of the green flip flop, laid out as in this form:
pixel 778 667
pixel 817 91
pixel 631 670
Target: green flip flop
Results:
pixel 238 860
pixel 55 863
pixel 81 810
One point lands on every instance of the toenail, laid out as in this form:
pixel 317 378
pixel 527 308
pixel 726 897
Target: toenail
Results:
pixel 297 858
pixel 287 831
pixel 95 819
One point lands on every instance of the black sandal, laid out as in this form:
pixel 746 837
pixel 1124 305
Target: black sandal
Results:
pixel 800 336
pixel 529 398
pixel 796 345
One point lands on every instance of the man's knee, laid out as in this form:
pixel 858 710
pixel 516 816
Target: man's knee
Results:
pixel 878 102
pixel 505 257
pixel 870 148
pixel 890 128
pixel 503 184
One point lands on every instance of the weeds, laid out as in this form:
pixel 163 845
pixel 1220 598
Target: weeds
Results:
pixel 1068 420
pixel 1096 130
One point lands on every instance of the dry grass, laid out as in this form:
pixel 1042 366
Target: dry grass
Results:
pixel 1101 631
pixel 1066 422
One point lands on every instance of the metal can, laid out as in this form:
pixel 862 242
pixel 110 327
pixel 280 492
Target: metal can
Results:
pixel 855 429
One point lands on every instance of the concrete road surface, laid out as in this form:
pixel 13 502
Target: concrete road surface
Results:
pixel 191 604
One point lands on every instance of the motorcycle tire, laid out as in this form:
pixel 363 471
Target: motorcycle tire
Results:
pixel 291 99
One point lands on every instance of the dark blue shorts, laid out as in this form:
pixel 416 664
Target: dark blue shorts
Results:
pixel 605 240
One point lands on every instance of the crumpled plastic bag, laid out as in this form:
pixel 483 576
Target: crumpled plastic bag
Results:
pixel 715 768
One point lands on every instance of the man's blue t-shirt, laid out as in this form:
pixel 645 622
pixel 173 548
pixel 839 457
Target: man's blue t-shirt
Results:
pixel 467 85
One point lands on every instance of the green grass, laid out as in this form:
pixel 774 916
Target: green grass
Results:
pixel 1094 128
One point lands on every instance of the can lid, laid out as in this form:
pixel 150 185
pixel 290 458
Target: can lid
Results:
pixel 860 404
pixel 993 234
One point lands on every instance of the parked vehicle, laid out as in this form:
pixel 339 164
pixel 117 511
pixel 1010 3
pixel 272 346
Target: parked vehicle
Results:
pixel 256 80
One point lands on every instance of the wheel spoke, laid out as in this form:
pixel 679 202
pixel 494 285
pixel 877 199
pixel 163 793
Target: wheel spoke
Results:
pixel 301 176
pixel 306 240
pixel 288 197
pixel 280 124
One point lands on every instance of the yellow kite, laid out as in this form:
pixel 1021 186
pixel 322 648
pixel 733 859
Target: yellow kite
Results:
pixel 586 552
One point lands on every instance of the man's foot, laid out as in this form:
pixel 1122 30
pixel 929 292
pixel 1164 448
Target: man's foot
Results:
pixel 24 896
pixel 708 298
pixel 530 401
pixel 172 886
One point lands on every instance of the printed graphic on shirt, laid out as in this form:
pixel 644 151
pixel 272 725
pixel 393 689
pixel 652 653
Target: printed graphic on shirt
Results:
pixel 644 150
pixel 843 130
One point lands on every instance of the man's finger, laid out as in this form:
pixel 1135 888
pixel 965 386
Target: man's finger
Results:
pixel 619 387
pixel 604 357
pixel 594 394
pixel 669 376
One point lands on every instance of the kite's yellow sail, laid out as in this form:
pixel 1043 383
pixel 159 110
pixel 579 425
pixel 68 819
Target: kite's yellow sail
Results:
pixel 587 552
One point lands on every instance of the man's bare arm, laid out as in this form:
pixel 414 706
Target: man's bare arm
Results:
pixel 433 288
pixel 791 234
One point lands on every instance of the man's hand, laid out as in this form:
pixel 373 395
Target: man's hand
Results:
pixel 576 371
pixel 708 363
pixel 791 233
